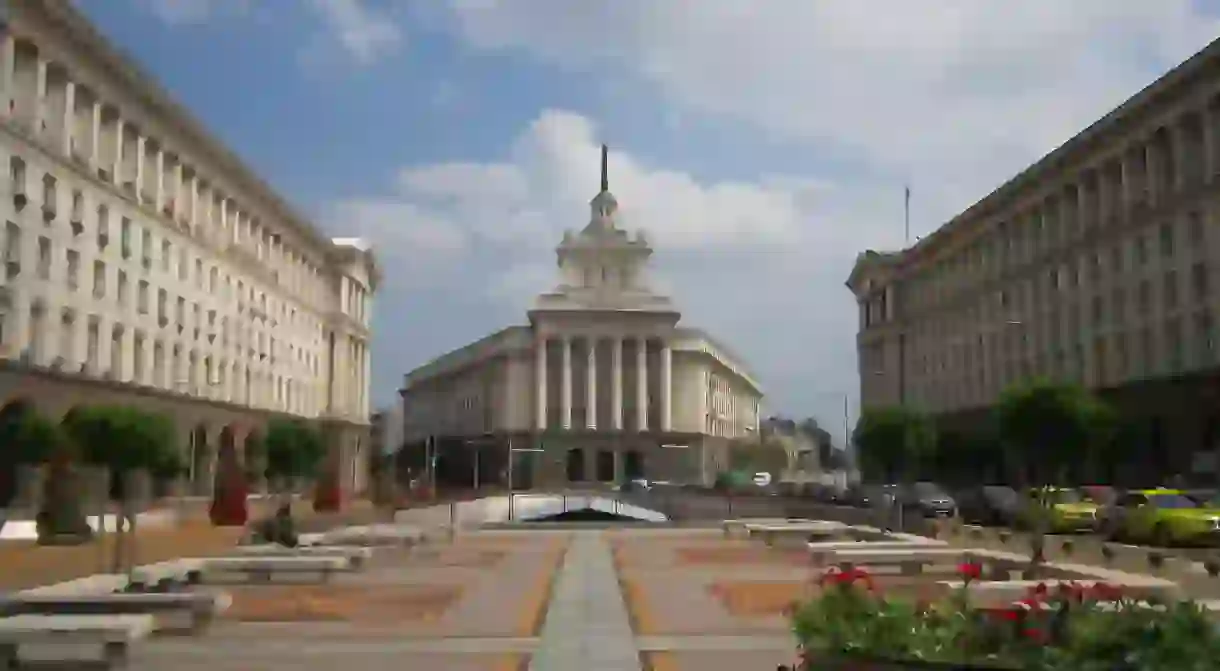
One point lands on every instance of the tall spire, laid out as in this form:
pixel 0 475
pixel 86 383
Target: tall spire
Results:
pixel 605 170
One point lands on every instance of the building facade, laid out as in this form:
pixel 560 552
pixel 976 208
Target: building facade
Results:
pixel 601 385
pixel 145 265
pixel 1097 265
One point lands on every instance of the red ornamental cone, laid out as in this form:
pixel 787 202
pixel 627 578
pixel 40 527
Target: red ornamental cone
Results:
pixel 229 501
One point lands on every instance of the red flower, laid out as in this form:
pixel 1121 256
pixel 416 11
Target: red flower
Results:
pixel 1038 592
pixel 970 571
pixel 1103 591
pixel 846 577
pixel 1034 634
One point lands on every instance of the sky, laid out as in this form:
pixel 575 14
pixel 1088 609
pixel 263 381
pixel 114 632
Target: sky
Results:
pixel 761 143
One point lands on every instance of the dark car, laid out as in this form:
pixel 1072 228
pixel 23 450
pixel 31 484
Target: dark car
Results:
pixel 928 499
pixel 991 504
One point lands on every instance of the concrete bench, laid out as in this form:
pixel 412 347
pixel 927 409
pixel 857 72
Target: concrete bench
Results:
pixel 201 608
pixel 115 633
pixel 261 569
pixel 823 553
pixel 801 531
pixel 357 556
pixel 101 583
pixel 910 560
pixel 166 575
pixel 738 527
pixel 372 535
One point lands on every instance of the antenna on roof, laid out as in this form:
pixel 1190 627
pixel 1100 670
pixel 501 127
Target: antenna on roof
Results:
pixel 605 169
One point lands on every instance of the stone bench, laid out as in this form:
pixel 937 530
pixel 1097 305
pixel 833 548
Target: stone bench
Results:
pixel 357 556
pixel 823 553
pixel 101 583
pixel 200 608
pixel 166 575
pixel 261 569
pixel 802 531
pixel 738 526
pixel 912 560
pixel 371 536
pixel 115 633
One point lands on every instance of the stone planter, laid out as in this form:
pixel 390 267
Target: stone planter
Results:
pixel 30 488
pixel 835 662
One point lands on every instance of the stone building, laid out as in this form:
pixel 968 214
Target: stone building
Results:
pixel 144 264
pixel 1096 265
pixel 601 385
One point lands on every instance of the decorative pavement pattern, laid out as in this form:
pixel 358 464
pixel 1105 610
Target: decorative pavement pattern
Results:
pixel 513 600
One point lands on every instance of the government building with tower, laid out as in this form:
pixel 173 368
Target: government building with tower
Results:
pixel 602 385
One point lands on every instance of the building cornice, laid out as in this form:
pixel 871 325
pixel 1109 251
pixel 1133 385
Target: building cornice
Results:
pixel 1062 156
pixel 147 91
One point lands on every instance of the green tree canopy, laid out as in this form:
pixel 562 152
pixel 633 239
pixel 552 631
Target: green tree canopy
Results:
pixel 293 448
pixel 1050 429
pixel 122 438
pixel 36 439
pixel 893 442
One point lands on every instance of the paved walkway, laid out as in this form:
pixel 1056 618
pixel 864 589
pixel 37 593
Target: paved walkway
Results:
pixel 587 626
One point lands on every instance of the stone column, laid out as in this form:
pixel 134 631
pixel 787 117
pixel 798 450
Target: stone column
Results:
pixel 95 135
pixel 8 64
pixel 566 384
pixel 641 381
pixel 159 180
pixel 616 383
pixel 69 118
pixel 141 142
pixel 666 386
pixel 591 384
pixel 40 96
pixel 118 151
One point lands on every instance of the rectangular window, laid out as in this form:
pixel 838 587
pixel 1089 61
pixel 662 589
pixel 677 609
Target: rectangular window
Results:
pixel 1170 290
pixel 142 292
pixel 122 288
pixel 99 279
pixel 167 252
pixel 1166 235
pixel 73 269
pixel 44 257
pixel 125 237
pixel 1198 281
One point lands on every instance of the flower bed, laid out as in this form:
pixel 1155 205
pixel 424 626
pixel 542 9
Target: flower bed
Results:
pixel 853 625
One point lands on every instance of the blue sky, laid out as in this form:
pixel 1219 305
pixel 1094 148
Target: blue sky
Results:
pixel 761 144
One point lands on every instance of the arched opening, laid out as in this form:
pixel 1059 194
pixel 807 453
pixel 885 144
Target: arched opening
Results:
pixel 633 465
pixel 11 416
pixel 199 460
pixel 576 465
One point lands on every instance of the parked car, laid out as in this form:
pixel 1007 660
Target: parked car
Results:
pixel 1201 496
pixel 1066 509
pixel 1163 517
pixel 926 498
pixel 990 504
pixel 861 496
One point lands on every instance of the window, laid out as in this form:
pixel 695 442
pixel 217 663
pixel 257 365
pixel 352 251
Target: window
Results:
pixel 103 227
pixel 121 292
pixel 162 307
pixel 1117 308
pixel 1116 259
pixel 1197 231
pixel 1198 281
pixel 146 249
pixel 1205 337
pixel 184 267
pixel 1098 309
pixel 1145 296
pixel 199 273
pixel 16 170
pixel 99 279
pixel 142 292
pixel 1166 235
pixel 49 197
pixel 73 269
pixel 167 251
pixel 1141 250
pixel 125 238
pixel 1170 290
pixel 44 257
pixel 138 360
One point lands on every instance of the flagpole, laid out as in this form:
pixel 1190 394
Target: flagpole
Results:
pixel 906 216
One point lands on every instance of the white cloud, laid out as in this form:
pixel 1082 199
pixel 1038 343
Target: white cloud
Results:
pixel 955 92
pixel 364 34
pixel 185 12
pixel 760 264
pixel 952 96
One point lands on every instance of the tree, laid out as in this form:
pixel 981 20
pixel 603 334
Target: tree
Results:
pixel 892 443
pixel 1049 430
pixel 293 449
pixel 130 444
pixel 40 447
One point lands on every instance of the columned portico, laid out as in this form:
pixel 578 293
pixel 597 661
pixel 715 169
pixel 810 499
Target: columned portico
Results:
pixel 645 379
